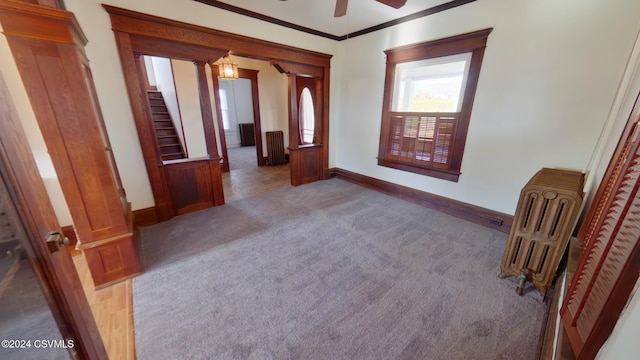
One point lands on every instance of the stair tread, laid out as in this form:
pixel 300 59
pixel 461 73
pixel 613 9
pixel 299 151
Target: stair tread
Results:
pixel 167 136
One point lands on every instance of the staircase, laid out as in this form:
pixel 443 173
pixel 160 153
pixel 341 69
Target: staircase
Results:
pixel 170 146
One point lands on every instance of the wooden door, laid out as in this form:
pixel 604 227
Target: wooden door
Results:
pixel 55 269
pixel 610 262
pixel 305 149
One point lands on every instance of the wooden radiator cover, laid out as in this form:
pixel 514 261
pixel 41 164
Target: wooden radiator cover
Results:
pixel 547 211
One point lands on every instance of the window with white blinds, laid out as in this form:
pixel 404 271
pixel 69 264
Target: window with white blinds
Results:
pixel 429 91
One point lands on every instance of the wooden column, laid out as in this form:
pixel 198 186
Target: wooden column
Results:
pixel 206 110
pixel 48 46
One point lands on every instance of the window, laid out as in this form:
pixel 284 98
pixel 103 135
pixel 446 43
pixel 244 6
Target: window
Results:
pixel 224 108
pixel 429 91
pixel 307 117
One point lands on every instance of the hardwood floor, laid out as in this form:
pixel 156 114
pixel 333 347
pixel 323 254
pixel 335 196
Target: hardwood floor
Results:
pixel 112 307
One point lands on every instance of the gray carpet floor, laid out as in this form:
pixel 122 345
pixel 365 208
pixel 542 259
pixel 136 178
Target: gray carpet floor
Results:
pixel 328 270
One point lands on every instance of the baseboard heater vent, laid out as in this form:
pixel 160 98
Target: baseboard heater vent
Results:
pixel 275 148
pixel 246 134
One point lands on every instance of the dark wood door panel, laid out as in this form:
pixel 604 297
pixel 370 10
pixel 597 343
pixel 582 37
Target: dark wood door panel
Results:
pixel 191 184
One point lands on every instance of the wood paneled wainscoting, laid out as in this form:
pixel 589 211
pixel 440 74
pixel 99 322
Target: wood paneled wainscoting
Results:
pixel 305 164
pixel 191 184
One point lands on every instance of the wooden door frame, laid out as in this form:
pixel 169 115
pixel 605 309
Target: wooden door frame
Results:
pixel 252 75
pixel 307 162
pixel 70 308
pixel 139 33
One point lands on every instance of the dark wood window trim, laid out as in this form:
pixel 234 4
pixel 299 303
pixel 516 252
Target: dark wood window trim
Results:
pixel 456 123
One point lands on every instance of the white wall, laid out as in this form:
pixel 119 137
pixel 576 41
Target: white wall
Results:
pixel 272 95
pixel 548 79
pixel 623 342
pixel 186 81
pixel 163 79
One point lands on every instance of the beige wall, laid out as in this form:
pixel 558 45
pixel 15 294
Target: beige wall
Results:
pixel 548 80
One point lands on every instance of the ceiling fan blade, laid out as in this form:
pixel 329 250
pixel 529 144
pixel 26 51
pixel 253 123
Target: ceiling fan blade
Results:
pixel 341 8
pixel 393 3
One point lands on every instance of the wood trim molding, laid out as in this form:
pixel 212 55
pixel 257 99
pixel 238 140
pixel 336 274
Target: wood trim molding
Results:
pixel 430 11
pixel 205 109
pixel 48 46
pixel 251 75
pixel 19 172
pixel 145 217
pixel 145 27
pixel 489 218
pixel 138 33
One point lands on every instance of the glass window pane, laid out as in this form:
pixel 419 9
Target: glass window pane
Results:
pixel 432 85
pixel 224 108
pixel 307 117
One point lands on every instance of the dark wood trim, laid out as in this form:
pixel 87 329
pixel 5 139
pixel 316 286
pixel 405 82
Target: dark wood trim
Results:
pixel 145 217
pixel 205 109
pixel 419 14
pixel 474 42
pixel 55 272
pixel 489 218
pixel 243 74
pixel 148 29
pixel 436 173
pixel 430 11
pixel 131 62
pixel 48 46
pixel 157 36
pixel 269 19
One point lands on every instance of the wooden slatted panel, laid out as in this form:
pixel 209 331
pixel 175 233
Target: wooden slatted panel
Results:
pixel 395 135
pixel 423 139
pixel 626 206
pixel 618 165
pixel 600 245
pixel 611 237
pixel 444 142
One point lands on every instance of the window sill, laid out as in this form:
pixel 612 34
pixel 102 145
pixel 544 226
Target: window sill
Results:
pixel 437 173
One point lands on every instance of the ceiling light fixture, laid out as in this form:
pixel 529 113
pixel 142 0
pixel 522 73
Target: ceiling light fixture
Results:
pixel 226 69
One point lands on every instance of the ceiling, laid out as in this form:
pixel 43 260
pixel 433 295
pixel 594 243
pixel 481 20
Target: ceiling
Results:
pixel 318 14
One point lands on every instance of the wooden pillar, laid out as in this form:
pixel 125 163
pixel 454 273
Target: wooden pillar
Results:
pixel 205 109
pixel 48 46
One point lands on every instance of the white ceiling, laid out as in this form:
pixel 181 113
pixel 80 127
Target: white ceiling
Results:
pixel 318 14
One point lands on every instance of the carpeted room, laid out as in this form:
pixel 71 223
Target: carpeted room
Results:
pixel 328 270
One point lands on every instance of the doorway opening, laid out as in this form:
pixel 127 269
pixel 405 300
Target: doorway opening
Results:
pixel 174 100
